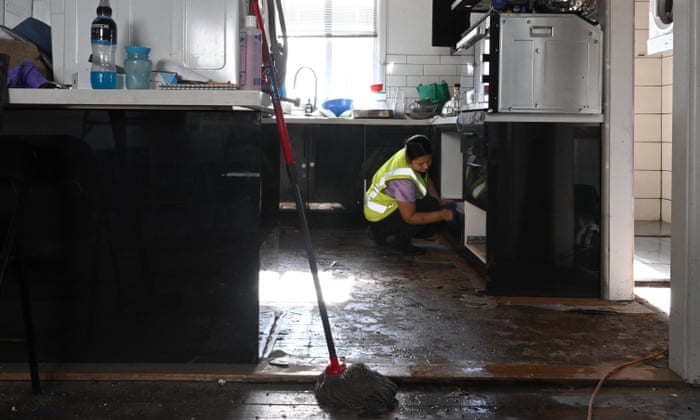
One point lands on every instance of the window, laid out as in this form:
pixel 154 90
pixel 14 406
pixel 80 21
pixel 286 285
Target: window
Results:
pixel 338 40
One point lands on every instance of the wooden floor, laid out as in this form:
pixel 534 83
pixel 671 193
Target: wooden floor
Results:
pixel 245 401
pixel 424 322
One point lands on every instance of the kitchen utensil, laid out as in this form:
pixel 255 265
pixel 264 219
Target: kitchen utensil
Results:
pixel 423 105
pixel 396 100
pixel 373 113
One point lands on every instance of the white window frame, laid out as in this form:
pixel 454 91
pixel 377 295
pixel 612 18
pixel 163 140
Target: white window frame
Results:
pixel 304 78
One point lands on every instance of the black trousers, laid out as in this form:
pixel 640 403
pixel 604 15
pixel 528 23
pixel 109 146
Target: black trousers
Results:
pixel 395 225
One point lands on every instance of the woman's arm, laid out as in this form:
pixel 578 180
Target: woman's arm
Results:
pixel 413 217
pixel 433 192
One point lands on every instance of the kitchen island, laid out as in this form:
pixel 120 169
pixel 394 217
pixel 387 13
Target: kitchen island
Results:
pixel 141 235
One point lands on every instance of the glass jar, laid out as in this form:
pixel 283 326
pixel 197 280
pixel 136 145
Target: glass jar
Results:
pixel 137 67
pixel 454 105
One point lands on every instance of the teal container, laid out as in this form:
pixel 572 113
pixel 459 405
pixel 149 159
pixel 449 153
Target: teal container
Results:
pixel 137 67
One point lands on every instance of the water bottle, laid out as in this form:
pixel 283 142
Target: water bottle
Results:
pixel 137 67
pixel 250 76
pixel 103 37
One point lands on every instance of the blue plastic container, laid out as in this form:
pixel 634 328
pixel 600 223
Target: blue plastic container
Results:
pixel 337 106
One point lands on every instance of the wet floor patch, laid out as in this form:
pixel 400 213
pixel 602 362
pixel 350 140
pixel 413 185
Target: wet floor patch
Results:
pixel 426 310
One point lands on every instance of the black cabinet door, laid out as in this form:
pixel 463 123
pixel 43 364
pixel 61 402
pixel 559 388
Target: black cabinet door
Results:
pixel 149 244
pixel 335 168
pixel 543 219
pixel 299 140
pixel 383 141
pixel 328 161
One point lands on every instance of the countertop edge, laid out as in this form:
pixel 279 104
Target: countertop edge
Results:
pixel 147 98
pixel 301 120
pixel 241 100
pixel 446 122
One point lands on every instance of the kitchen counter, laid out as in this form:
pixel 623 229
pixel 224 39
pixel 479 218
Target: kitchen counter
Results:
pixel 441 121
pixel 239 100
pixel 320 120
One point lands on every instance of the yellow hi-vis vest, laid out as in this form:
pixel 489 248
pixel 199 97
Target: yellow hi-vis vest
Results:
pixel 378 204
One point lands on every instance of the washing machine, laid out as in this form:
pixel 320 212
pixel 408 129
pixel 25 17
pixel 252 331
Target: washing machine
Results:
pixel 660 26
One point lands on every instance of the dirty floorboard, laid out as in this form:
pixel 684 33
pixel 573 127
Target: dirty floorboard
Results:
pixel 427 317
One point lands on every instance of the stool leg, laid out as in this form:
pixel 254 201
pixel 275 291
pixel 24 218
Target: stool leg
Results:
pixel 9 240
pixel 7 246
pixel 29 332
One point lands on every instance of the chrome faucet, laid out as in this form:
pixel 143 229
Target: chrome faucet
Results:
pixel 315 82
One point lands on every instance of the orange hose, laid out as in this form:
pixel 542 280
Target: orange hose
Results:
pixel 615 370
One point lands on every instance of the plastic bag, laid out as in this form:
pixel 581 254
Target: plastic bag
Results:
pixel 436 92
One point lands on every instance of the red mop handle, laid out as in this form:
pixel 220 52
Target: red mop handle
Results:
pixel 335 367
pixel 267 61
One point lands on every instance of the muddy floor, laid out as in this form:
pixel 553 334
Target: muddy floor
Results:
pixel 431 309
pixel 455 352
pixel 236 401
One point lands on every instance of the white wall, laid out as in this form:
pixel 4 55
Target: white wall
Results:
pixel 652 124
pixel 684 336
pixel 411 59
pixel 13 12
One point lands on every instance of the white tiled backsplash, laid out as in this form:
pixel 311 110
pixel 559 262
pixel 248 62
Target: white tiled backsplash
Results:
pixel 410 71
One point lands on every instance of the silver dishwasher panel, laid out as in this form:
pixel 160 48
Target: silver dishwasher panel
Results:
pixel 549 63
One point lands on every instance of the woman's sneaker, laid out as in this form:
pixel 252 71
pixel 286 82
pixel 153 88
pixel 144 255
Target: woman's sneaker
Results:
pixel 404 247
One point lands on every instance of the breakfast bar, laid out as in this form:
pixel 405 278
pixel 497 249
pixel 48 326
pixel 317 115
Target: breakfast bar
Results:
pixel 141 236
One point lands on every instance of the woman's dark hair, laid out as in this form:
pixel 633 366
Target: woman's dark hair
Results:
pixel 416 146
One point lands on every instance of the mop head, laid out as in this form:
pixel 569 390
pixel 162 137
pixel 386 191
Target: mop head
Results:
pixel 357 388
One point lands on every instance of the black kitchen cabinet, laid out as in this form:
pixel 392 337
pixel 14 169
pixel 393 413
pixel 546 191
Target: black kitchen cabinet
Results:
pixel 328 161
pixel 382 141
pixel 544 209
pixel 334 164
pixel 448 23
pixel 146 249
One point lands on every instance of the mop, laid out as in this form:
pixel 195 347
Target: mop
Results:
pixel 339 387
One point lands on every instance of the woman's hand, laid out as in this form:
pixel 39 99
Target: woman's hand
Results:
pixel 446 214
pixel 413 217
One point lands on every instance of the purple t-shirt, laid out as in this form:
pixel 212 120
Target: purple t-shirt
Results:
pixel 402 190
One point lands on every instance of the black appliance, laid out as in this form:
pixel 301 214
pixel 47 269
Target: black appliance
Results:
pixel 473 145
pixel 539 184
pixel 448 23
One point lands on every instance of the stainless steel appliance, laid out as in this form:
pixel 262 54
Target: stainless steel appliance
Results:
pixel 542 63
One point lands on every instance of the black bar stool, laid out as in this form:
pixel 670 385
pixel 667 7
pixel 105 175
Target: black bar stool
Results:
pixel 16 165
pixel 52 205
pixel 17 162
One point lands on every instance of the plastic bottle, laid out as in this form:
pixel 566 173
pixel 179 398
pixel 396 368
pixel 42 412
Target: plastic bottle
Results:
pixel 103 37
pixel 454 105
pixel 137 67
pixel 250 75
